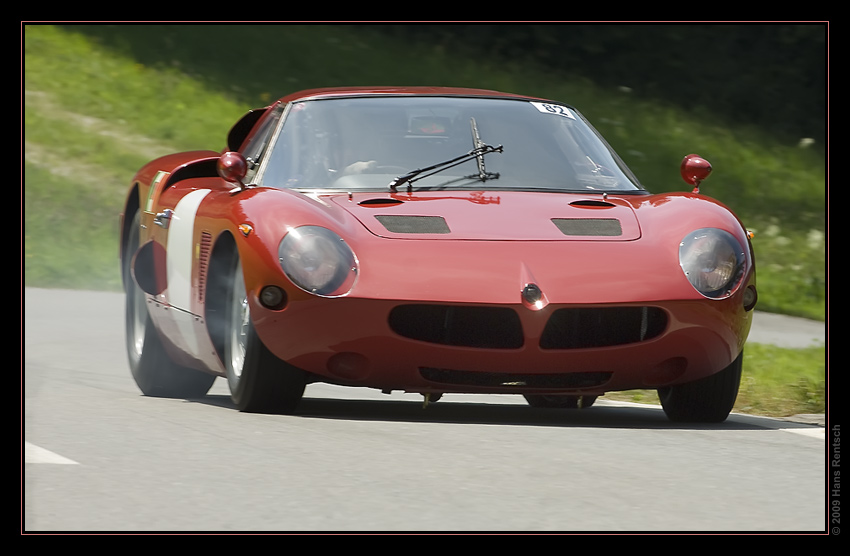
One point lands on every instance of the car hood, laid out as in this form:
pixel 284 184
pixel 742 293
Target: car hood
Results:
pixel 459 246
pixel 492 215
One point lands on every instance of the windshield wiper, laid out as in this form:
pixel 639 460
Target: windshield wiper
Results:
pixel 419 173
pixel 478 152
pixel 483 174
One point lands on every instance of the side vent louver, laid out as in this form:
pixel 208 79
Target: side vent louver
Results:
pixel 203 263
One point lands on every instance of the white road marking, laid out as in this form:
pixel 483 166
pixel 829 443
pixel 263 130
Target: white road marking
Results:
pixel 35 454
pixel 814 432
pixel 771 423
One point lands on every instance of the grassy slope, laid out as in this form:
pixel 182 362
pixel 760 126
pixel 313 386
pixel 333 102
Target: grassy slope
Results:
pixel 93 115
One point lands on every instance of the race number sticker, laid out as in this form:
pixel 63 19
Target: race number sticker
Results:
pixel 554 109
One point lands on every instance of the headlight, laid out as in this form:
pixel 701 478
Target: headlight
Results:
pixel 713 261
pixel 318 261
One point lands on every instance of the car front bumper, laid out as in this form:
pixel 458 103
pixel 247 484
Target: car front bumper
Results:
pixel 588 349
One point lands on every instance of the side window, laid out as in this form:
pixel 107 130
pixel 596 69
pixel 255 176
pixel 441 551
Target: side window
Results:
pixel 256 147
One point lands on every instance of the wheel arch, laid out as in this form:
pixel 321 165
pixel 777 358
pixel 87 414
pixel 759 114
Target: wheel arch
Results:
pixel 131 206
pixel 216 287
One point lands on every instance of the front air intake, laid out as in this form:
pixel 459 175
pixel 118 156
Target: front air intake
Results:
pixel 559 381
pixel 477 327
pixel 595 327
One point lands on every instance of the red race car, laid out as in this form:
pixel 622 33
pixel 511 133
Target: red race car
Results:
pixel 430 240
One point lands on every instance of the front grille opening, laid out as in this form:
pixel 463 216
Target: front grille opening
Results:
pixel 520 380
pixel 574 328
pixel 478 327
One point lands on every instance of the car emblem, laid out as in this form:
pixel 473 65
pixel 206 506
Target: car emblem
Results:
pixel 533 297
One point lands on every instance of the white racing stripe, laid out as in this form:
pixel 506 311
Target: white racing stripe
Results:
pixel 180 257
pixel 181 233
pixel 35 454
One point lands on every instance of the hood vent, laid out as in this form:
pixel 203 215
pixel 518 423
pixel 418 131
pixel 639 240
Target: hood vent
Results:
pixel 398 224
pixel 592 203
pixel 380 202
pixel 589 226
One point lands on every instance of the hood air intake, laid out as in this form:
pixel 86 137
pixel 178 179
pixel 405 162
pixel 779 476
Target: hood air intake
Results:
pixel 589 226
pixel 414 224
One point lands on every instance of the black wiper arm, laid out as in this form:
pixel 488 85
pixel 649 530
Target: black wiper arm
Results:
pixel 483 175
pixel 420 173
pixel 479 149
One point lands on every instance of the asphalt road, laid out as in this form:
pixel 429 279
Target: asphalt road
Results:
pixel 783 331
pixel 98 456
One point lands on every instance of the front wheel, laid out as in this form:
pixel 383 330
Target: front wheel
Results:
pixel 259 382
pixel 708 400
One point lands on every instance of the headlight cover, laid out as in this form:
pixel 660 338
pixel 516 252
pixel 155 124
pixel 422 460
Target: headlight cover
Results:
pixel 318 261
pixel 713 261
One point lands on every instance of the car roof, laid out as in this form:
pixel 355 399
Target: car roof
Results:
pixel 241 130
pixel 328 92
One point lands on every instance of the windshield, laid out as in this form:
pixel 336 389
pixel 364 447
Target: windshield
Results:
pixel 369 143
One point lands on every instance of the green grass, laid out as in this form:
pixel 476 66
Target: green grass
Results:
pixel 100 101
pixel 782 381
pixel 777 382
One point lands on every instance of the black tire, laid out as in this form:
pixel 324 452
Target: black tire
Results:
pixel 708 400
pixel 153 370
pixel 559 402
pixel 259 381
